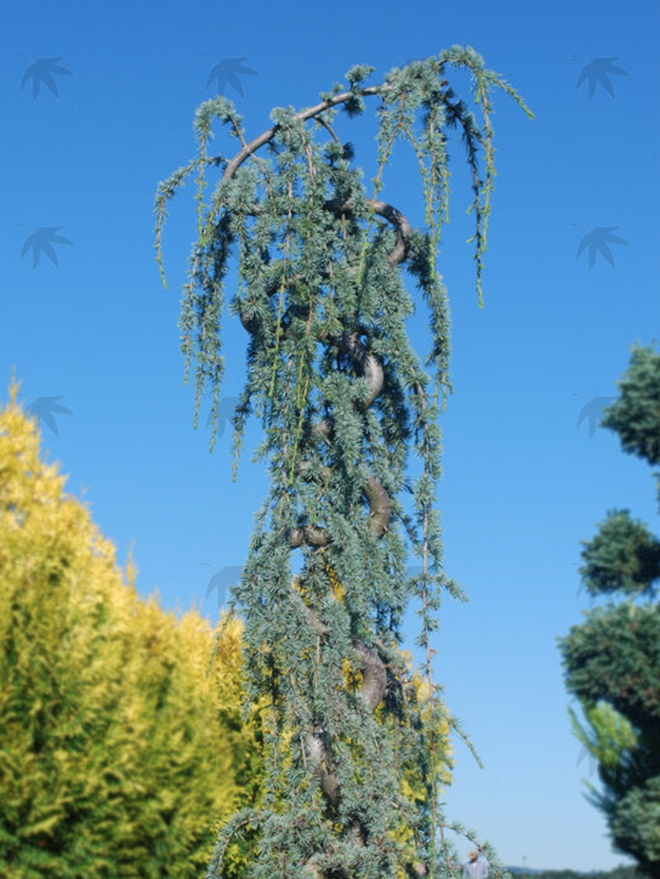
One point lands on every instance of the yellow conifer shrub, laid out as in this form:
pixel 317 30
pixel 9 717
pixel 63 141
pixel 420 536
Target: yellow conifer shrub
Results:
pixel 122 745
pixel 119 749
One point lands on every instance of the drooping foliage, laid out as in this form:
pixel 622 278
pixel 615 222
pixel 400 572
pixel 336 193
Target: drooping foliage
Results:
pixel 612 659
pixel 344 399
pixel 119 753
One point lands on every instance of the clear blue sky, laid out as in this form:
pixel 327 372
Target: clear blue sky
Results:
pixel 522 483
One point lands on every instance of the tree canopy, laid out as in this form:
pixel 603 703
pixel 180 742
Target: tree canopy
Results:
pixel 344 401
pixel 612 659
pixel 121 750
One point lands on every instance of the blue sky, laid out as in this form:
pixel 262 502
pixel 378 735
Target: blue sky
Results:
pixel 523 484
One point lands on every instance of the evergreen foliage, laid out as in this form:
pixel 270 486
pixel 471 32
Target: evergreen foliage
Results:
pixel 612 660
pixel 343 399
pixel 118 748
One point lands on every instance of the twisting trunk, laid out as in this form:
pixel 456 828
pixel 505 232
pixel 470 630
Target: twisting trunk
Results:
pixel 343 398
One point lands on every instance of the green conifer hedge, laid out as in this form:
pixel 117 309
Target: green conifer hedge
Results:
pixel 118 749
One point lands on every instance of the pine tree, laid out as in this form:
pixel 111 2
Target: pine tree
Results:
pixel 612 659
pixel 343 399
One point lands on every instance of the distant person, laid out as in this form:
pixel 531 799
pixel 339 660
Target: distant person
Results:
pixel 475 867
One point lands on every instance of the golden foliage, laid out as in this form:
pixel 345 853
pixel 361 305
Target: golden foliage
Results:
pixel 118 747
